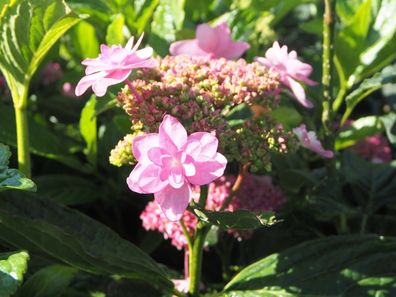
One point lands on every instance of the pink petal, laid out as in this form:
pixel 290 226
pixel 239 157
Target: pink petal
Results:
pixel 149 180
pixel 129 44
pixel 209 170
pixel 157 154
pixel 138 42
pixel 187 47
pixel 174 202
pixel 176 178
pixel 263 61
pixel 235 50
pixel 201 144
pixel 87 81
pixel 142 144
pixel 145 53
pixel 172 134
pixel 207 38
pixel 299 92
pixel 133 179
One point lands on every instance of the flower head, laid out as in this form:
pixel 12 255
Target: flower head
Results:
pixel 51 73
pixel 170 161
pixel 291 70
pixel 310 141
pixel 210 42
pixel 113 66
pixel 374 148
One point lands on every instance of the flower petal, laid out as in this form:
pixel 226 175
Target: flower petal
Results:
pixel 172 134
pixel 299 92
pixel 207 37
pixel 201 144
pixel 207 171
pixel 133 179
pixel 149 180
pixel 174 202
pixel 86 82
pixel 142 144
pixel 187 47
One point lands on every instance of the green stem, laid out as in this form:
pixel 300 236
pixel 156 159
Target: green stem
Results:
pixel 178 293
pixel 327 77
pixel 23 148
pixel 196 259
pixel 235 188
pixel 363 224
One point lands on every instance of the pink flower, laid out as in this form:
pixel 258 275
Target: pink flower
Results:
pixel 181 284
pixel 51 73
pixel 68 90
pixel 170 161
pixel 311 142
pixel 113 66
pixel 291 70
pixel 374 148
pixel 210 42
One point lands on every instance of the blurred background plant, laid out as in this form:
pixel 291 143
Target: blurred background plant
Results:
pixel 322 244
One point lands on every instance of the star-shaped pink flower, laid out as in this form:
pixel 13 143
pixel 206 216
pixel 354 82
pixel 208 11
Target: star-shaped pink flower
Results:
pixel 210 42
pixel 291 70
pixel 169 162
pixel 310 141
pixel 113 66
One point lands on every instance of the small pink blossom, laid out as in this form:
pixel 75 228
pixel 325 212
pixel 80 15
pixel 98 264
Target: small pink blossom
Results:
pixel 68 90
pixel 310 141
pixel 113 66
pixel 169 162
pixel 374 148
pixel 291 70
pixel 181 284
pixel 210 42
pixel 51 73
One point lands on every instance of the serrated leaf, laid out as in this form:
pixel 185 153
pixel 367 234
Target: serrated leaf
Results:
pixel 84 40
pixel 88 130
pixel 12 178
pixel 359 129
pixel 57 232
pixel 369 85
pixel 48 282
pixel 115 32
pixel 238 219
pixel 28 30
pixel 336 266
pixel 12 269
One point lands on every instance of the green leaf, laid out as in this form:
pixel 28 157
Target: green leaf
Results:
pixel 57 232
pixel 45 143
pixel 67 189
pixel 12 178
pixel 389 122
pixel 238 219
pixel 374 184
pixel 48 282
pixel 336 266
pixel 84 40
pixel 288 117
pixel 369 85
pixel 88 130
pixel 28 30
pixel 358 130
pixel 115 32
pixel 168 18
pixel 12 269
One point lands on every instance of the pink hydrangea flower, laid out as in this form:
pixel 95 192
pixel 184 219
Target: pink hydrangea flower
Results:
pixel 310 141
pixel 169 162
pixel 113 66
pixel 374 148
pixel 210 42
pixel 51 73
pixel 291 70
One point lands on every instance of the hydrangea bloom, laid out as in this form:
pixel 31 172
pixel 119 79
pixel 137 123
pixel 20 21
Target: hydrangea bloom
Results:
pixel 113 66
pixel 290 69
pixel 374 148
pixel 210 42
pixel 170 161
pixel 257 193
pixel 51 73
pixel 310 141
pixel 200 92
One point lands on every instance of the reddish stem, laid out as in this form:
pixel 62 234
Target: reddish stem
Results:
pixel 137 96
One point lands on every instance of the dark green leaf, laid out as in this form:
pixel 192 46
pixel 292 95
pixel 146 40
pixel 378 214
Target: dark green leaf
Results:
pixel 288 117
pixel 374 184
pixel 88 130
pixel 238 219
pixel 337 266
pixel 369 85
pixel 28 30
pixel 67 189
pixel 12 178
pixel 358 130
pixel 12 269
pixel 389 122
pixel 48 282
pixel 44 227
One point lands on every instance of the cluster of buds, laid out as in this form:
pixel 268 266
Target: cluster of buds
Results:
pixel 201 92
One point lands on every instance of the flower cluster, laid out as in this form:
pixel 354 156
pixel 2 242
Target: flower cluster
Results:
pixel 122 153
pixel 201 92
pixel 374 148
pixel 257 193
